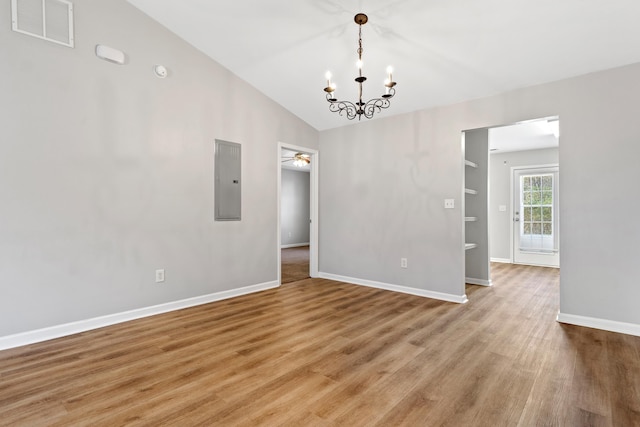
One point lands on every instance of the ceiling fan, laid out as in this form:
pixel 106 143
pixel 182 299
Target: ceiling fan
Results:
pixel 299 159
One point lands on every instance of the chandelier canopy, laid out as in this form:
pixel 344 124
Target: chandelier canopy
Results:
pixel 360 108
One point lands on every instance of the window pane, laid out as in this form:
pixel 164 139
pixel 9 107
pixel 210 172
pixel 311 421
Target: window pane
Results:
pixel 527 198
pixel 546 229
pixel 546 214
pixel 536 198
pixel 526 183
pixel 547 198
pixel 526 228
pixel 536 228
pixel 527 214
pixel 536 214
pixel 536 182
pixel 547 182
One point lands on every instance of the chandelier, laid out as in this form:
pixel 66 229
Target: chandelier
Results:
pixel 360 108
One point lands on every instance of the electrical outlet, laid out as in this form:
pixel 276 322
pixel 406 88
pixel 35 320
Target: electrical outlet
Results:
pixel 159 276
pixel 403 262
pixel 449 203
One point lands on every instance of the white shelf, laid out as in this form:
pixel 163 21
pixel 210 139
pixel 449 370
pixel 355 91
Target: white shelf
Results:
pixel 468 246
pixel 470 218
pixel 470 191
pixel 470 164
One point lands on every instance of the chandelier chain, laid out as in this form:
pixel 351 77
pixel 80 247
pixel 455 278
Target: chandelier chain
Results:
pixel 360 50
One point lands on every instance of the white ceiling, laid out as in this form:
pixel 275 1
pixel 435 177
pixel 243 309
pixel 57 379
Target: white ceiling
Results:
pixel 442 51
pixel 531 135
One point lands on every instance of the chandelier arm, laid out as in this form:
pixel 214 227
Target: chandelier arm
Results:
pixel 375 106
pixel 343 107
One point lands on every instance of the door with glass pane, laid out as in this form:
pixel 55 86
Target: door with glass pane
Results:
pixel 535 217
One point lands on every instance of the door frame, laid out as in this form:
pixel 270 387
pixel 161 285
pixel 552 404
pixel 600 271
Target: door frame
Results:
pixel 313 208
pixel 512 202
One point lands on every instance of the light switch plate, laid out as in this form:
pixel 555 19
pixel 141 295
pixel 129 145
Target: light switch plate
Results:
pixel 449 203
pixel 160 276
pixel 502 208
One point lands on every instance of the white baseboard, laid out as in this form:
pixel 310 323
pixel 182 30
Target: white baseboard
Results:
pixel 294 245
pixel 596 323
pixel 460 299
pixel 481 282
pixel 502 260
pixel 38 335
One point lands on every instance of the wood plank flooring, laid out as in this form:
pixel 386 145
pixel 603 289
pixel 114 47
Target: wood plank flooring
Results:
pixel 294 264
pixel 324 353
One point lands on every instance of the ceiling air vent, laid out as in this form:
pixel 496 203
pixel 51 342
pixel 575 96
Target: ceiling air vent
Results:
pixel 45 19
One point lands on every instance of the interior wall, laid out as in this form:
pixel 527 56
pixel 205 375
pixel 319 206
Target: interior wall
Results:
pixel 389 203
pixel 500 223
pixel 106 172
pixel 295 212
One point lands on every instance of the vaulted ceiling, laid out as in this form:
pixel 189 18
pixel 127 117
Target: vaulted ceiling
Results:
pixel 442 51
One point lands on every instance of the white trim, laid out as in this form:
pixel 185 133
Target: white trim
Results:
pixel 481 282
pixel 44 334
pixel 313 208
pixel 502 260
pixel 294 245
pixel 596 323
pixel 460 299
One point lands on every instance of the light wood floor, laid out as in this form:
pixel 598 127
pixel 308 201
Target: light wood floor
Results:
pixel 319 352
pixel 294 264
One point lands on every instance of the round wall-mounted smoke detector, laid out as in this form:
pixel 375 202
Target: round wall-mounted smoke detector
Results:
pixel 160 71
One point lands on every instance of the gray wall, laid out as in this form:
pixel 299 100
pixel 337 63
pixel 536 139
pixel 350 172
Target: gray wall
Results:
pixel 390 203
pixel 106 172
pixel 500 193
pixel 295 212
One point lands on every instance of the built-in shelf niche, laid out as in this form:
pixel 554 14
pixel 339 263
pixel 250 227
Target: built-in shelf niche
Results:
pixel 476 163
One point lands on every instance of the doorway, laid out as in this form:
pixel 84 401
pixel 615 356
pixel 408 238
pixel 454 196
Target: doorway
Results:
pixel 535 216
pixel 297 229
pixel 527 149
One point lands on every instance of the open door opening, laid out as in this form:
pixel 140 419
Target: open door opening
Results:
pixel 511 197
pixel 524 193
pixel 297 213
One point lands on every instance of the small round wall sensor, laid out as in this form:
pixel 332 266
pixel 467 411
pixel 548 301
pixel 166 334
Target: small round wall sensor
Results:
pixel 160 71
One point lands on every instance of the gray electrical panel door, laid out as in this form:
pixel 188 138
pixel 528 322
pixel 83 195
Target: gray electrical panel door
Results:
pixel 227 181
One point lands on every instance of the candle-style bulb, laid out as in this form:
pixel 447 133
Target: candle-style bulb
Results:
pixel 328 77
pixel 390 72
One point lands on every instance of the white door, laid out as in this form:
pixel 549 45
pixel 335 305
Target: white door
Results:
pixel 535 216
